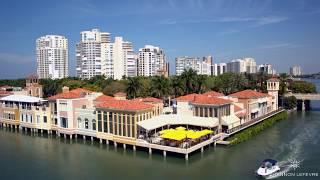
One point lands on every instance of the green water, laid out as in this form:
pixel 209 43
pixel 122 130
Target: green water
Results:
pixel 23 156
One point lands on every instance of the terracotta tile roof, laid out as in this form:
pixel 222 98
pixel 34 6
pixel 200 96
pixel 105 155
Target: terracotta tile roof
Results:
pixel 249 94
pixel 73 94
pixel 213 94
pixel 202 99
pixel 104 98
pixel 149 99
pixel 237 108
pixel 188 97
pixel 125 105
pixel 273 80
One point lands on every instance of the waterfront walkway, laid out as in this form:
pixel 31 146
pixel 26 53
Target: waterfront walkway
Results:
pixel 245 125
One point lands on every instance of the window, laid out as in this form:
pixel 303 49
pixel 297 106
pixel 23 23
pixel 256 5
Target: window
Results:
pixel 44 119
pixel 38 119
pixel 79 122
pixel 93 124
pixel 64 122
pixel 99 122
pixel 105 122
pixel 86 123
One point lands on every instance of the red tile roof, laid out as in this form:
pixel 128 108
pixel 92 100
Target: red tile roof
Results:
pixel 273 80
pixel 149 99
pixel 202 99
pixel 249 94
pixel 104 98
pixel 73 94
pixel 213 94
pixel 126 105
pixel 188 97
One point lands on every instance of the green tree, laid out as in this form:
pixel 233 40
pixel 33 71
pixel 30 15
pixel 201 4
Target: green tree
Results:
pixel 302 87
pixel 160 86
pixel 290 102
pixel 176 85
pixel 189 78
pixel 114 87
pixel 133 86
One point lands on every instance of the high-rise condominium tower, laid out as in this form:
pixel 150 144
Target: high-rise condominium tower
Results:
pixel 88 53
pixel 151 61
pixel 52 57
pixel 97 55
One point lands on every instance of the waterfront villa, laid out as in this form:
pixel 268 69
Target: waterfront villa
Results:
pixel 25 111
pixel 67 107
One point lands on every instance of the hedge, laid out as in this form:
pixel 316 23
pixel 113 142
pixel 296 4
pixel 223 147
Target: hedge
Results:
pixel 254 130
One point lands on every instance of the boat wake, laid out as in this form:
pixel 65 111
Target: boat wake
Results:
pixel 290 154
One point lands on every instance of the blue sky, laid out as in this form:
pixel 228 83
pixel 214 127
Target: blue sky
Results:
pixel 280 32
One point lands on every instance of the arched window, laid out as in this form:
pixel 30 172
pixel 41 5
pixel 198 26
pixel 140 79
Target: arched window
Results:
pixel 86 123
pixel 79 122
pixel 93 124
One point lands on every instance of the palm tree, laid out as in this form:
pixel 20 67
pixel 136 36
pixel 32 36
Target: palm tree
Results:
pixel 176 85
pixel 133 87
pixel 200 83
pixel 189 78
pixel 160 86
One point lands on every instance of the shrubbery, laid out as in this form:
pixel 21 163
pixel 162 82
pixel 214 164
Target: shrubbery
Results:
pixel 254 130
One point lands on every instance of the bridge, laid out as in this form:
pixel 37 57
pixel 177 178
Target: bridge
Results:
pixel 305 98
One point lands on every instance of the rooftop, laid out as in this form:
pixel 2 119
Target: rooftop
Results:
pixel 213 94
pixel 148 99
pixel 175 119
pixel 104 98
pixel 273 80
pixel 125 105
pixel 249 94
pixel 22 98
pixel 73 94
pixel 201 99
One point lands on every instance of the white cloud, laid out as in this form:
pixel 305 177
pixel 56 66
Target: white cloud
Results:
pixel 278 45
pixel 257 21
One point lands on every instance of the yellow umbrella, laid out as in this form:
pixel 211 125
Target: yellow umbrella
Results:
pixel 166 131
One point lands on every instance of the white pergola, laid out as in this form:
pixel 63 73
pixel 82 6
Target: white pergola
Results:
pixel 174 119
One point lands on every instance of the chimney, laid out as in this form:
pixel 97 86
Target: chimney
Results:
pixel 65 89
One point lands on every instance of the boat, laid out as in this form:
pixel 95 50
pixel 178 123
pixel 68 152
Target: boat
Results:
pixel 268 167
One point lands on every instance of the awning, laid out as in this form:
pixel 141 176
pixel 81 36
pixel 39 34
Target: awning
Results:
pixel 230 121
pixel 174 119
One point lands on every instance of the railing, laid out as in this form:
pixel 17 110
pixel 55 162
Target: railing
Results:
pixel 251 122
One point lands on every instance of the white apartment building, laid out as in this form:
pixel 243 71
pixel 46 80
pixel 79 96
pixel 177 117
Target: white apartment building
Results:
pixel 200 66
pixel 151 61
pixel 245 65
pixel 266 69
pixel 295 71
pixel 97 55
pixel 218 69
pixel 251 65
pixel 88 53
pixel 52 57
pixel 237 66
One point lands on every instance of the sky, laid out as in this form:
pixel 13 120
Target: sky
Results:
pixel 280 32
